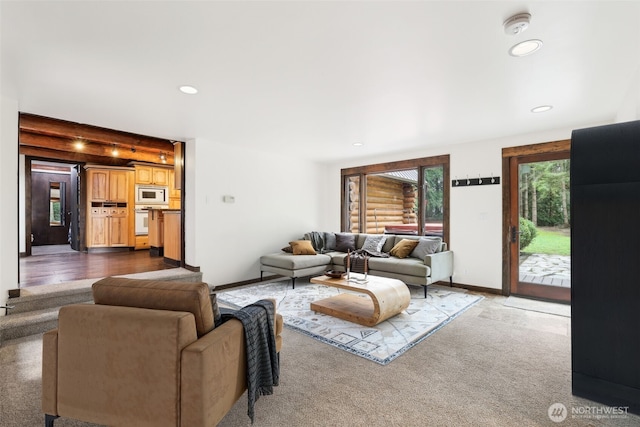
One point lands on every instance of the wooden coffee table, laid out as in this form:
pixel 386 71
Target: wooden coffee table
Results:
pixel 387 297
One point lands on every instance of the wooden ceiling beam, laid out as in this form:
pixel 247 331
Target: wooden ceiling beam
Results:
pixel 71 157
pixel 28 139
pixel 71 130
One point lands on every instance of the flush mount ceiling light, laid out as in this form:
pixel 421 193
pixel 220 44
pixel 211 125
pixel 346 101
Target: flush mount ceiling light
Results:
pixel 541 108
pixel 525 48
pixel 358 144
pixel 517 24
pixel 189 90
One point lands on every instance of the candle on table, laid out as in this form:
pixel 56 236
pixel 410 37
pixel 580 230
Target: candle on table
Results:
pixel 366 266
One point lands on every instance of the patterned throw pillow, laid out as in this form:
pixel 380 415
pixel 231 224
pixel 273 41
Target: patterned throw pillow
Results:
pixel 403 248
pixel 374 243
pixel 426 246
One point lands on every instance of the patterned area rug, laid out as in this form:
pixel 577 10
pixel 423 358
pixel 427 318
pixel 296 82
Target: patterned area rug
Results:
pixel 381 343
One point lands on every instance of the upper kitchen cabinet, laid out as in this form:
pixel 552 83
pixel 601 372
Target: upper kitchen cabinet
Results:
pixel 152 175
pixel 108 185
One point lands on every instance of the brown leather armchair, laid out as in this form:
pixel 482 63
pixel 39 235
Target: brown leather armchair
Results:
pixel 145 354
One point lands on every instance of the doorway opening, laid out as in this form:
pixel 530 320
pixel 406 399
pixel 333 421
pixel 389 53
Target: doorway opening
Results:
pixel 53 206
pixel 537 252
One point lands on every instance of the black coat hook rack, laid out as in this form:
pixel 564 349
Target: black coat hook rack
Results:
pixel 467 182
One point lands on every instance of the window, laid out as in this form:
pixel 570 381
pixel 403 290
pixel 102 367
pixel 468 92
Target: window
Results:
pixel 408 197
pixel 56 204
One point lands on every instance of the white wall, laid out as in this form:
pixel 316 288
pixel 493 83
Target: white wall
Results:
pixel 276 200
pixel 9 207
pixel 630 108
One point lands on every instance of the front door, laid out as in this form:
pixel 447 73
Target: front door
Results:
pixel 50 204
pixel 539 232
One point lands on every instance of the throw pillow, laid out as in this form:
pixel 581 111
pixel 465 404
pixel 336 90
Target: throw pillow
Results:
pixel 426 246
pixel 403 248
pixel 330 241
pixel 302 247
pixel 374 243
pixel 345 242
pixel 288 249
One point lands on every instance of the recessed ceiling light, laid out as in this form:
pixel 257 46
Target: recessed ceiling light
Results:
pixel 541 108
pixel 189 90
pixel 358 144
pixel 525 48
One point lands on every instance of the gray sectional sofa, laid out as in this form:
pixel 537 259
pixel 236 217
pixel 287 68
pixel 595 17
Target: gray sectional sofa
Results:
pixel 412 270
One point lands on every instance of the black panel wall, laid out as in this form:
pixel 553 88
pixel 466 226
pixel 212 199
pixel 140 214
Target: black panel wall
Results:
pixel 605 264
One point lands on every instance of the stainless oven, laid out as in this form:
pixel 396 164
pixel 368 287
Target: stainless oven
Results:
pixel 152 195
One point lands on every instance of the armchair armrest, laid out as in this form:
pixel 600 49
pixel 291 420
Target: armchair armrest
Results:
pixel 441 264
pixel 213 375
pixel 50 372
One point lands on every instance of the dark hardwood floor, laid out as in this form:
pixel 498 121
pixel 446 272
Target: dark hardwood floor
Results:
pixel 49 269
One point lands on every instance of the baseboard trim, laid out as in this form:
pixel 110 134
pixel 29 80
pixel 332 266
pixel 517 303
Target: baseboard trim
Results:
pixel 192 268
pixel 475 288
pixel 247 282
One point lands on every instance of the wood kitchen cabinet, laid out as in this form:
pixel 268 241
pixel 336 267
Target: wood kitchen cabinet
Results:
pixel 107 185
pixel 172 237
pixel 156 232
pixel 109 195
pixel 174 193
pixel 108 227
pixel 152 175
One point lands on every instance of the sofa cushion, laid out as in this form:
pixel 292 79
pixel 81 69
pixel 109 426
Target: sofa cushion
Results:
pixel 192 297
pixel 374 242
pixel 294 262
pixel 302 247
pixel 345 242
pixel 426 246
pixel 403 248
pixel 406 266
pixel 329 241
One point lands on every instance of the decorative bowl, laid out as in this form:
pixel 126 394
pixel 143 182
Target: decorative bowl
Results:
pixel 334 274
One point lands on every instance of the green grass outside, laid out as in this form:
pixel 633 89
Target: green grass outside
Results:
pixel 549 242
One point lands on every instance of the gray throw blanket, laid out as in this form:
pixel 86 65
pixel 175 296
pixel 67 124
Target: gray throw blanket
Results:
pixel 357 259
pixel 317 241
pixel 263 368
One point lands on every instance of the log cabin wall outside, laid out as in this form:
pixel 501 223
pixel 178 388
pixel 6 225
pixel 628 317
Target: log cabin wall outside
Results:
pixel 389 202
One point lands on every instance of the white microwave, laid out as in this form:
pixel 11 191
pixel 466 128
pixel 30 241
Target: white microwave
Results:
pixel 150 194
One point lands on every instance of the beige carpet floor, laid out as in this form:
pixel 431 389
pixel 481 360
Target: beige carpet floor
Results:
pixel 493 366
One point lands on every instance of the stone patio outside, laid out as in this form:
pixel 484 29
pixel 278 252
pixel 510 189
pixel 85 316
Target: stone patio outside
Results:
pixel 542 269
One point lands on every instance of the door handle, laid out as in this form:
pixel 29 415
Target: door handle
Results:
pixel 514 234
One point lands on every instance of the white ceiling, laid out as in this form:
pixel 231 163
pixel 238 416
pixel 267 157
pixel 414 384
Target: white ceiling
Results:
pixel 311 78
